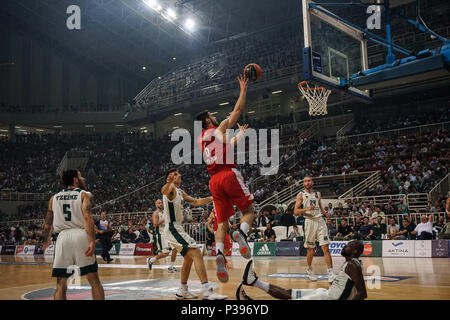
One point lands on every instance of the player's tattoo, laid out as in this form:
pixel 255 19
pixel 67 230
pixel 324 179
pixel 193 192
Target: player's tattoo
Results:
pixel 48 224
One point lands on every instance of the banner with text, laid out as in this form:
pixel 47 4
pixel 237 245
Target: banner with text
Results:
pixel 38 249
pixel 127 249
pixel 264 249
pixel 50 251
pixel 115 249
pixel 144 249
pixel 27 251
pixel 398 248
pixel 372 248
pixel 287 248
pixel 8 250
pixel 422 248
pixel 439 248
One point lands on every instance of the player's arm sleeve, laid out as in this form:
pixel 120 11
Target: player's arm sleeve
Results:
pixel 357 277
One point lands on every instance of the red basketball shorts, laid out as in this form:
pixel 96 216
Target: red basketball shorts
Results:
pixel 227 188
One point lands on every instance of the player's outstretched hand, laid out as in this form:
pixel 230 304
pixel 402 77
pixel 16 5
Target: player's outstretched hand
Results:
pixel 91 249
pixel 243 82
pixel 243 128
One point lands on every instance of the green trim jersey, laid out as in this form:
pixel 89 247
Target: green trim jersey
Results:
pixel 311 199
pixel 66 207
pixel 160 218
pixel 173 210
pixel 343 287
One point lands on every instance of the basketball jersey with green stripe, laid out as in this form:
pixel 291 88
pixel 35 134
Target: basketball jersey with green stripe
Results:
pixel 173 210
pixel 66 207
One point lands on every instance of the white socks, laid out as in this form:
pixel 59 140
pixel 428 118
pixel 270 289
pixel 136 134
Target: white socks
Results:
pixel 184 286
pixel 152 260
pixel 245 227
pixel 171 264
pixel 330 270
pixel 219 246
pixel 262 285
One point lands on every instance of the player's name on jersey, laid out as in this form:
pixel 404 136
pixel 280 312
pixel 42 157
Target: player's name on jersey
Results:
pixel 67 197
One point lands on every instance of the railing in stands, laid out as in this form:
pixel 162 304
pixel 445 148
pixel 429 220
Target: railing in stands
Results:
pixel 24 196
pixel 417 202
pixel 381 199
pixel 342 131
pixel 287 194
pixel 409 131
pixel 367 183
pixel 441 188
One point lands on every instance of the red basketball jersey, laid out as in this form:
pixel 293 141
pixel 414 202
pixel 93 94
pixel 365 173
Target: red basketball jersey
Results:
pixel 215 152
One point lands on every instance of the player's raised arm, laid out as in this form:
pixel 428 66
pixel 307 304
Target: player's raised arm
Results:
pixel 86 207
pixel 298 206
pixel 48 225
pixel 232 119
pixel 195 202
pixel 357 277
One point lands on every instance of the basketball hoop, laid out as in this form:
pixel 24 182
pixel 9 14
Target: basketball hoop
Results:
pixel 317 98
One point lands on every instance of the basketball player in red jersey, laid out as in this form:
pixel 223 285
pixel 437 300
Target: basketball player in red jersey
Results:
pixel 227 185
pixel 228 244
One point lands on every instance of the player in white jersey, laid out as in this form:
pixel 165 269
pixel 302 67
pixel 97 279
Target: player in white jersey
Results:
pixel 177 238
pixel 348 285
pixel 161 239
pixel 308 204
pixel 69 215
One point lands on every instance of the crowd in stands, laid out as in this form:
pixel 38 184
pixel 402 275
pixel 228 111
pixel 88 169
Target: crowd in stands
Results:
pixel 55 110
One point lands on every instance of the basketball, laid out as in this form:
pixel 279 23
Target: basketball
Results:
pixel 253 72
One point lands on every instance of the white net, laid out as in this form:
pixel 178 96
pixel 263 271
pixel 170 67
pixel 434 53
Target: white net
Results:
pixel 317 98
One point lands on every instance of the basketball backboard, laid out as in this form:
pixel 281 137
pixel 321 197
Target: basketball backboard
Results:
pixel 333 51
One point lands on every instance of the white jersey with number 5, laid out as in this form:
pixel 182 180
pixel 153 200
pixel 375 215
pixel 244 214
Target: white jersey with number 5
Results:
pixel 66 207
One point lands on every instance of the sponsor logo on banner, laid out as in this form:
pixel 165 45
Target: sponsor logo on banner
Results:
pixel 372 248
pixel 439 248
pixel 38 249
pixel 264 249
pixel 115 249
pixel 27 251
pixel 19 250
pixel 336 248
pixel 8 250
pixel 287 248
pixel 50 250
pixel 422 248
pixel 144 249
pixel 127 249
pixel 403 248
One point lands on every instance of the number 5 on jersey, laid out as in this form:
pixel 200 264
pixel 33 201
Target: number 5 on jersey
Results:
pixel 67 213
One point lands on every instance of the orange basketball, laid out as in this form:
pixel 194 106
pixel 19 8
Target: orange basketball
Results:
pixel 253 72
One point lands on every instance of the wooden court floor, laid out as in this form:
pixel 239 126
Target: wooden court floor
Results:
pixel 400 278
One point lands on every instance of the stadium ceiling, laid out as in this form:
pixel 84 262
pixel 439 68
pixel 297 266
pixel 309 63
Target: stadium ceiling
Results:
pixel 123 36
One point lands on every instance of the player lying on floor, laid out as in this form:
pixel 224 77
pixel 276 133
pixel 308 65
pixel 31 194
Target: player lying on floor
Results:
pixel 348 285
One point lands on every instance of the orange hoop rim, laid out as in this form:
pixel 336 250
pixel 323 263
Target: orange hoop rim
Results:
pixel 301 85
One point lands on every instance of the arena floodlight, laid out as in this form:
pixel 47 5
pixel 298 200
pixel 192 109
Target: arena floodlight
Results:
pixel 177 114
pixel 224 103
pixel 189 25
pixel 171 13
pixel 151 3
pixel 276 92
pixel 253 111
